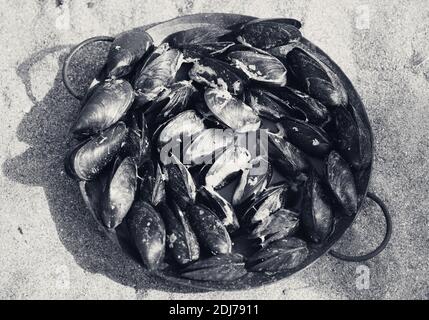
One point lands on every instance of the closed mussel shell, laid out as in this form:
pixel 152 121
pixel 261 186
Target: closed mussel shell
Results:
pixel 152 183
pixel 90 157
pixel 196 35
pixel 138 144
pixel 147 229
pixel 342 183
pixel 317 216
pixel 106 106
pixel 264 105
pixel 181 240
pixel 201 50
pixel 119 193
pixel 209 229
pixel 222 267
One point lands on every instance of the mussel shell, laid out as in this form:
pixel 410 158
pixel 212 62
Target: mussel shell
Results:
pixel 282 255
pixel 207 145
pixel 223 209
pixel 317 216
pixel 342 183
pixel 268 34
pixel 232 162
pixel 90 157
pixel 195 36
pixel 147 230
pixel 119 193
pixel 312 140
pixel 217 74
pixel 201 50
pixel 222 267
pixel 260 67
pixel 264 105
pixel 317 79
pixel 126 50
pixel 293 22
pixel 152 184
pixel 106 106
pixel 138 144
pixel 232 112
pixel 210 231
pixel 157 75
pixel 180 184
pixel 181 240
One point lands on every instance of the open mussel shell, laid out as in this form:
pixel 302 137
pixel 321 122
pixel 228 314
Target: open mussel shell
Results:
pixel 138 145
pixel 316 78
pixel 342 183
pixel 223 209
pixel 180 184
pixel 90 157
pixel 281 255
pixel 317 216
pixel 119 193
pixel 157 75
pixel 232 112
pixel 253 180
pixel 260 67
pixel 210 231
pixel 198 35
pixel 281 224
pixel 207 49
pixel 152 183
pixel 179 129
pixel 227 166
pixel 208 144
pixel 311 139
pixel 222 267
pixel 106 106
pixel 181 240
pixel 268 34
pixel 147 230
pixel 217 74
pixel 126 50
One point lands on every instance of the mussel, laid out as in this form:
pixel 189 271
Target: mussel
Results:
pixel 90 157
pixel 152 184
pixel 265 105
pixel 342 183
pixel 197 51
pixel 227 166
pixel 119 193
pixel 138 144
pixel 147 230
pixel 232 112
pixel 198 35
pixel 210 231
pixel 260 67
pixel 106 106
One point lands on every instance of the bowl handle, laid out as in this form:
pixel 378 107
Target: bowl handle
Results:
pixel 382 245
pixel 66 65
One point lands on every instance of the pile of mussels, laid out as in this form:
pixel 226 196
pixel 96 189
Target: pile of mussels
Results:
pixel 159 127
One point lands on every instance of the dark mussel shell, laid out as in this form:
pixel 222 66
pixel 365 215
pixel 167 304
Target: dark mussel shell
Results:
pixel 281 224
pixel 265 105
pixel 314 111
pixel 210 231
pixel 217 74
pixel 227 166
pixel 138 144
pixel 90 157
pixel 282 255
pixel 179 129
pixel 223 209
pixel 289 159
pixel 181 240
pixel 260 67
pixel 157 75
pixel 293 22
pixel 207 145
pixel 316 78
pixel 232 112
pixel 126 50
pixel 148 233
pixel 180 184
pixel 195 36
pixel 253 181
pixel 201 50
pixel 119 193
pixel 222 267
pixel 313 140
pixel 268 34
pixel 353 139
pixel 341 180
pixel 152 184
pixel 106 106
pixel 317 216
